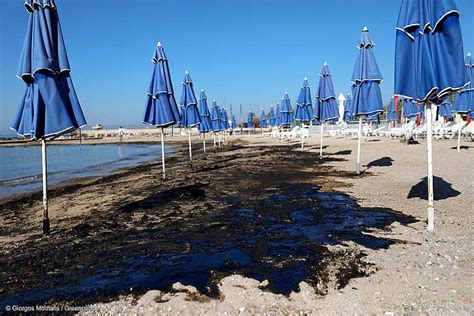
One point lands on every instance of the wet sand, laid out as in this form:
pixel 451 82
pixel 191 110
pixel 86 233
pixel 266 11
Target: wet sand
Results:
pixel 255 226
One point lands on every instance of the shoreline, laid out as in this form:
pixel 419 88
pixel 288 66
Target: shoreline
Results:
pixel 178 147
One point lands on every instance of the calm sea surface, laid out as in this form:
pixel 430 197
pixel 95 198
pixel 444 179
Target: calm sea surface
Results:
pixel 20 166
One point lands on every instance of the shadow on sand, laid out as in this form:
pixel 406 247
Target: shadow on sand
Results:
pixel 381 162
pixel 463 147
pixel 442 189
pixel 343 152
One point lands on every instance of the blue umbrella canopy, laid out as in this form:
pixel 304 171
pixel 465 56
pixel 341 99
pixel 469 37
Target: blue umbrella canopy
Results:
pixel 250 120
pixel 216 119
pixel 234 121
pixel 304 106
pixel 445 109
pixel 277 114
pixel 205 125
pixel 367 98
pixel 464 101
pixel 160 109
pixel 189 111
pixel 286 111
pixel 392 111
pixel 50 106
pixel 410 108
pixel 326 107
pixel 224 119
pixel 347 108
pixel 429 51
pixel 263 119
pixel 272 117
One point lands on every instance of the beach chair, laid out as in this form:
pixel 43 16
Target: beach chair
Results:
pixel 440 131
pixel 404 130
pixel 351 130
pixel 290 133
pixel 294 133
pixel 468 131
pixel 419 132
pixel 451 131
pixel 275 132
pixel 304 132
pixel 377 131
pixel 338 129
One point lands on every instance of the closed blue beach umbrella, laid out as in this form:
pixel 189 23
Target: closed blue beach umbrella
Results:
pixel 234 122
pixel 160 108
pixel 445 109
pixel 50 106
pixel 224 122
pixel 429 62
pixel 347 108
pixel 286 116
pixel 189 112
pixel 326 106
pixel 272 117
pixel 304 107
pixel 205 126
pixel 263 119
pixel 224 119
pixel 250 121
pixel 216 119
pixel 277 114
pixel 410 109
pixel 367 98
pixel 392 111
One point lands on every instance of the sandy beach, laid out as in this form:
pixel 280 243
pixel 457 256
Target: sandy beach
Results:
pixel 253 227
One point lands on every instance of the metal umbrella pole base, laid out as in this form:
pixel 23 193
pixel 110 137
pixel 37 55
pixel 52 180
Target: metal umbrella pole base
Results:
pixel 46 226
pixel 429 140
pixel 359 140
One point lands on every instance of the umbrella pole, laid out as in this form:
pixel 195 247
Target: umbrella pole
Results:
pixel 302 140
pixel 45 188
pixel 429 144
pixel 358 146
pixel 214 137
pixel 321 146
pixel 163 152
pixel 189 140
pixel 204 141
pixel 459 136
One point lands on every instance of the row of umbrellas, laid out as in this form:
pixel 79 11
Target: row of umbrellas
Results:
pixel 281 116
pixel 161 109
pixel 429 67
pixel 366 102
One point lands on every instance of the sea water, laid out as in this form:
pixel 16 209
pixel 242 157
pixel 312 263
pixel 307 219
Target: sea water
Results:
pixel 20 166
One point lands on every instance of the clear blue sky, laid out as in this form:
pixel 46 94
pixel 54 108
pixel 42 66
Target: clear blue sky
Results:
pixel 245 52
